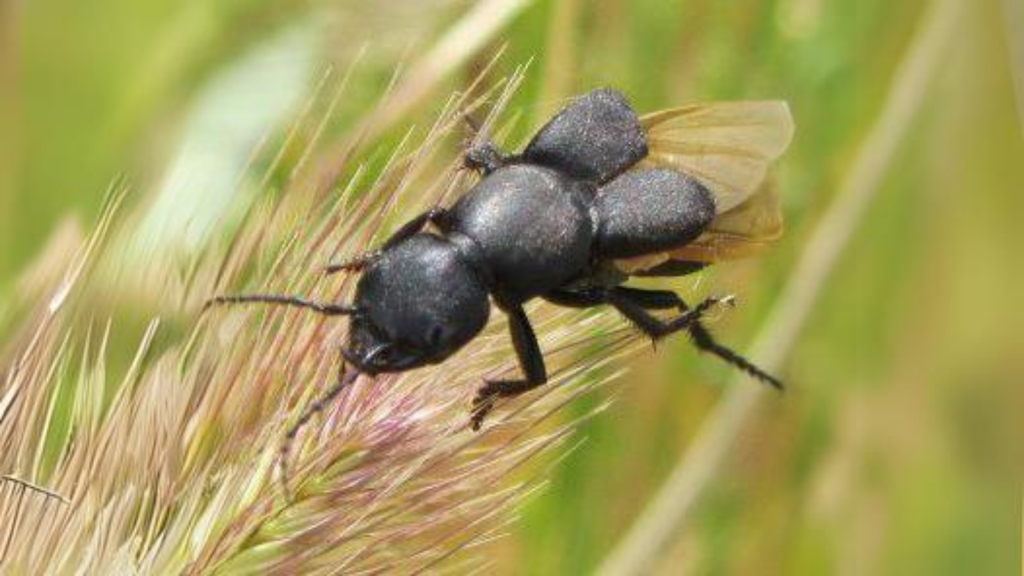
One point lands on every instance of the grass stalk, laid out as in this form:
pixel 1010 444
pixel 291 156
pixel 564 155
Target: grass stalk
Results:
pixel 1013 21
pixel 175 472
pixel 670 509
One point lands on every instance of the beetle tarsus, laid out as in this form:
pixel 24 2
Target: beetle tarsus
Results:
pixel 484 158
pixel 479 153
pixel 436 215
pixel 705 342
pixel 483 403
pixel 491 392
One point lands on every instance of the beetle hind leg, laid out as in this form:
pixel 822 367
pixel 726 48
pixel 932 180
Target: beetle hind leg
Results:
pixel 638 301
pixel 634 303
pixel 705 342
pixel 655 327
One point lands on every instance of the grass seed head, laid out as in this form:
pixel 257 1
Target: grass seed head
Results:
pixel 167 465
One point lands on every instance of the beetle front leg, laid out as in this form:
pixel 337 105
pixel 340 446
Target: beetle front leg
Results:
pixel 484 157
pixel 436 215
pixel 480 154
pixel 531 360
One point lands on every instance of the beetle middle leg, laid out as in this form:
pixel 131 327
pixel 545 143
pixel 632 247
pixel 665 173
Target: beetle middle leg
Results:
pixel 531 360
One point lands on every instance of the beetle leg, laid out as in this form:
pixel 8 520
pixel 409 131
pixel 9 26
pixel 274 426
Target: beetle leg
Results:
pixel 353 264
pixel 590 297
pixel 705 342
pixel 481 155
pixel 484 157
pixel 699 335
pixel 653 299
pixel 653 326
pixel 633 303
pixel 436 215
pixel 531 360
pixel 586 298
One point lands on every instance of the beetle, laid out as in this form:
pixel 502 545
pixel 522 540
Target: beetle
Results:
pixel 599 195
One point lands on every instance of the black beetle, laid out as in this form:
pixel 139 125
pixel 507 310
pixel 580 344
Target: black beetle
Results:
pixel 597 196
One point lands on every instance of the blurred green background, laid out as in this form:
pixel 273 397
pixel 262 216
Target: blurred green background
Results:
pixel 897 449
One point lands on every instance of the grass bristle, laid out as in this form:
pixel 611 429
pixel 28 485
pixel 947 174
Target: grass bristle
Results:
pixel 169 466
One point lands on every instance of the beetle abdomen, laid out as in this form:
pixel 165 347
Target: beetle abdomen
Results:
pixel 651 210
pixel 532 225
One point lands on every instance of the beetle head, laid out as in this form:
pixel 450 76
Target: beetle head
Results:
pixel 418 304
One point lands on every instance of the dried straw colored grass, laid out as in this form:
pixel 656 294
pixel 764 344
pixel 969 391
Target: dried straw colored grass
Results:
pixel 170 466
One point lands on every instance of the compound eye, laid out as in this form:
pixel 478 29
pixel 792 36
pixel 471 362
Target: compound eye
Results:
pixel 384 356
pixel 437 336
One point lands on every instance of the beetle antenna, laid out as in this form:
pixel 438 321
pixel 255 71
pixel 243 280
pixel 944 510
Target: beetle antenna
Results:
pixel 283 300
pixel 344 380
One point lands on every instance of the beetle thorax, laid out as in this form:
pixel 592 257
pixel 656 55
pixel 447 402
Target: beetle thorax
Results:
pixel 533 226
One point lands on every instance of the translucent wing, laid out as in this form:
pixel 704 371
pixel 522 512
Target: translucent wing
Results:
pixel 738 233
pixel 728 146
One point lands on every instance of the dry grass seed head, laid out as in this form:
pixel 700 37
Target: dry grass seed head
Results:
pixel 175 472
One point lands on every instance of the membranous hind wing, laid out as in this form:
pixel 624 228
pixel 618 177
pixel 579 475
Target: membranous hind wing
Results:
pixel 728 147
pixel 738 233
